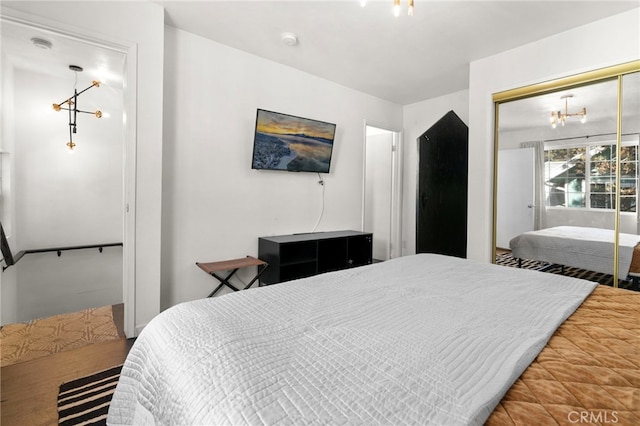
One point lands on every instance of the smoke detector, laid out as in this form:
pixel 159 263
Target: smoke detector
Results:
pixel 290 39
pixel 41 43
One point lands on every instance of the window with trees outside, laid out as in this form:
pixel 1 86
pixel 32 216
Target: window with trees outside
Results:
pixel 585 177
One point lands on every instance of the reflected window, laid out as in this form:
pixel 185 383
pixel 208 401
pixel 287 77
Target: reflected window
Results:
pixel 585 177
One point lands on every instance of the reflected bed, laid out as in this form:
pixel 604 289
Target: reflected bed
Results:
pixel 423 339
pixel 579 247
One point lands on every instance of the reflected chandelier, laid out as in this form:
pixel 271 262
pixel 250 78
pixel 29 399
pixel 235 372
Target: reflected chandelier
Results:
pixel 561 117
pixel 396 7
pixel 72 106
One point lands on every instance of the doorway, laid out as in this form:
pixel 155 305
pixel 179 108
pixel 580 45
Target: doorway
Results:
pixel 515 203
pixel 381 191
pixel 56 201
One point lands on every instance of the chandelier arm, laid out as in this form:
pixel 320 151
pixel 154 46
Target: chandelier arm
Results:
pixel 95 84
pixel 71 124
pixel 75 110
pixel 86 112
pixel 78 110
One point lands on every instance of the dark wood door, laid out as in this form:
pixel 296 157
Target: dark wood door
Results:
pixel 441 221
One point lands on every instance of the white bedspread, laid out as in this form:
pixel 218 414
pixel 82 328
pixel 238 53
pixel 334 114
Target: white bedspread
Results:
pixel 423 339
pixel 577 246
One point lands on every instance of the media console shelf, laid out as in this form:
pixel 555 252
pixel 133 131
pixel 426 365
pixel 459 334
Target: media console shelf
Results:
pixel 303 255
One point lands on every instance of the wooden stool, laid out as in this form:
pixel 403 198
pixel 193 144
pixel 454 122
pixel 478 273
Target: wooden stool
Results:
pixel 232 265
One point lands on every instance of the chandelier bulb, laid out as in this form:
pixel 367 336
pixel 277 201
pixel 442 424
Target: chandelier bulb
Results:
pixel 363 3
pixel 410 11
pixel 396 8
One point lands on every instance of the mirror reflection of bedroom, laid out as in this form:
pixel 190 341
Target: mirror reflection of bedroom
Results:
pixel 561 155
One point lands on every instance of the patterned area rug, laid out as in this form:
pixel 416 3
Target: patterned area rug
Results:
pixel 506 259
pixel 86 400
pixel 41 337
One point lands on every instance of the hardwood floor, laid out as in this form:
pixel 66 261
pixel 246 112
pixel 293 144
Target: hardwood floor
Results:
pixel 29 390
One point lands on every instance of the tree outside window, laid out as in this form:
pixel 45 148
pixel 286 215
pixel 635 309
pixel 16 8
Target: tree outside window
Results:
pixel 584 177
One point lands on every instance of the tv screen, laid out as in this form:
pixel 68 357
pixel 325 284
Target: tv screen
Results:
pixel 294 144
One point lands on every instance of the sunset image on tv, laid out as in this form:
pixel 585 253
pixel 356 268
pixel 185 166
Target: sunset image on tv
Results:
pixel 286 142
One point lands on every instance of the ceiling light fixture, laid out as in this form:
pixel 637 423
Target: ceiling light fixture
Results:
pixel 41 43
pixel 72 106
pixel 561 117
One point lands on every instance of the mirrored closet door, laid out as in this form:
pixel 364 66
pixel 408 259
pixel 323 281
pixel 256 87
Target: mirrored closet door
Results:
pixel 566 175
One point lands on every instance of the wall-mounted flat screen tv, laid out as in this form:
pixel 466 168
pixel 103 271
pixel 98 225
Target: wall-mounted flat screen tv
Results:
pixel 294 144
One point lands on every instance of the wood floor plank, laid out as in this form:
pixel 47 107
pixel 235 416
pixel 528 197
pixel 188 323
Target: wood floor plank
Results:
pixel 29 390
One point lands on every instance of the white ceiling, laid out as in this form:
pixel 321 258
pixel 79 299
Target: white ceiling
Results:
pixel 403 60
pixel 99 63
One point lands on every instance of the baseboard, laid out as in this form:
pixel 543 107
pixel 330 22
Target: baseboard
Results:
pixel 139 329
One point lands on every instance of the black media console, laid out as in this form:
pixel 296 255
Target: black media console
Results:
pixel 303 255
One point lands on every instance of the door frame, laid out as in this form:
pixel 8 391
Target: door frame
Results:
pixel 395 237
pixel 129 128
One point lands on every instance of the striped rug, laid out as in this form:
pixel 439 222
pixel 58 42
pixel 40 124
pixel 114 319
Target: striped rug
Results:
pixel 506 259
pixel 85 401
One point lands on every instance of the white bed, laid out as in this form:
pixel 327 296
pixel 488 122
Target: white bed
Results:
pixel 577 246
pixel 423 339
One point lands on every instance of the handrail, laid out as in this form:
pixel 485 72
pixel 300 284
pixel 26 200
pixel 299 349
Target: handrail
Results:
pixel 59 250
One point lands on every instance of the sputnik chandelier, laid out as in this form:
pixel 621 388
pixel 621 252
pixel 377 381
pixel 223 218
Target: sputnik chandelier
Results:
pixel 561 117
pixel 396 7
pixel 72 106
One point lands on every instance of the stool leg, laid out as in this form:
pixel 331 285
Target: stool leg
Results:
pixel 216 290
pixel 261 269
pixel 225 281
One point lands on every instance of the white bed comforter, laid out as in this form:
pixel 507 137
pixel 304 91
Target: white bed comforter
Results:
pixel 423 339
pixel 577 246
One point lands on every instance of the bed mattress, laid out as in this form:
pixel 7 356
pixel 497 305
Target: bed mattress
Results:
pixel 580 247
pixel 422 339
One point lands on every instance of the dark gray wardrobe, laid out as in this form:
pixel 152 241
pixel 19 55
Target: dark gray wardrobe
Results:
pixel 441 219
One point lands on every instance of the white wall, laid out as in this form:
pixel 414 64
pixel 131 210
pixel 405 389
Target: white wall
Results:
pixel 50 284
pixel 214 205
pixel 139 26
pixel 603 43
pixel 418 118
pixel 8 279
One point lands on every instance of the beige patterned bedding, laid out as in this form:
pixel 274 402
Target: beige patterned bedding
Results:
pixel 589 372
